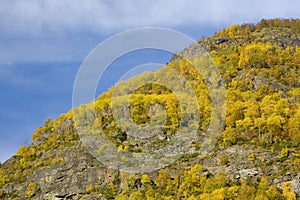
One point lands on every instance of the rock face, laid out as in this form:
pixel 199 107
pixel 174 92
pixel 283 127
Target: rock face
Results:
pixel 79 170
pixel 76 173
pixel 67 180
pixel 58 170
pixel 296 183
pixel 71 178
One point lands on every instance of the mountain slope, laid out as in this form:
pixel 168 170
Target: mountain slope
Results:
pixel 257 155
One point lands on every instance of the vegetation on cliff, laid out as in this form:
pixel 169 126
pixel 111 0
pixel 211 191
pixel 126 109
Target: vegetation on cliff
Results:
pixel 260 67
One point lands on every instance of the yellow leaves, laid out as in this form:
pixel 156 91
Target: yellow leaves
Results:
pixel 218 194
pixel 261 197
pixel 89 189
pixel 244 125
pixel 137 195
pixel 297 163
pixel 232 30
pixel 31 189
pixel 192 198
pixel 150 194
pixel 234 113
pixel 167 104
pixel 251 157
pixel 232 192
pixel 24 163
pixel 272 193
pixel 121 196
pixel 284 153
pixel 162 178
pixel 194 185
pixel 120 148
pixel 229 136
pixel 28 153
pixel 38 134
pixel 259 55
pixel 287 191
pixel 294 127
pixel 132 179
pixel 22 150
pixel 275 125
pixel 3 178
pixel 192 181
pixel 145 180
pixel 126 148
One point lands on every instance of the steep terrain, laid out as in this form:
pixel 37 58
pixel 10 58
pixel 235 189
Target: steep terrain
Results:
pixel 257 155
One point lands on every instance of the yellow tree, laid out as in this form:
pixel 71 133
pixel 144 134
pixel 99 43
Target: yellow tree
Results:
pixel 273 193
pixel 275 127
pixel 192 181
pixel 3 177
pixel 38 135
pixel 261 190
pixel 287 191
pixel 260 124
pixel 162 179
pixel 294 127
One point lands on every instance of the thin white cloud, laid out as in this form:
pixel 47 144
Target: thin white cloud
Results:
pixel 34 16
pixel 40 31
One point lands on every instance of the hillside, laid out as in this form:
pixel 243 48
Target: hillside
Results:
pixel 256 156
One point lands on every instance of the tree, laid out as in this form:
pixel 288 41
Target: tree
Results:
pixel 258 55
pixel 275 127
pixel 192 181
pixel 272 193
pixel 137 195
pixel 3 177
pixel 31 189
pixel 215 182
pixel 261 190
pixel 232 192
pixel 38 135
pixel 146 181
pixel 121 196
pixel 287 191
pixel 294 127
pixel 150 194
pixel 246 191
pixel 162 179
pixel 260 124
pixel 229 136
pixel 244 126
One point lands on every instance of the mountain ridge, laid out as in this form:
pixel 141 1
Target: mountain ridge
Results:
pixel 259 64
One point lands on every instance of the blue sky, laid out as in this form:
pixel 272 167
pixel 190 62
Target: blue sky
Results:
pixel 43 43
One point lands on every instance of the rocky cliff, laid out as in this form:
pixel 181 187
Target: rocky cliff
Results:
pixel 256 155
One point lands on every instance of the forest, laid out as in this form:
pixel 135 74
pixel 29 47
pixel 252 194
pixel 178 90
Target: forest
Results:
pixel 260 69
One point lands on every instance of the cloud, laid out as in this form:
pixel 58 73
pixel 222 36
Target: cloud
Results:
pixel 34 16
pixel 66 30
pixel 56 31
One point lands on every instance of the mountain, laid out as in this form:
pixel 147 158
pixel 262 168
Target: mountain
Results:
pixel 91 152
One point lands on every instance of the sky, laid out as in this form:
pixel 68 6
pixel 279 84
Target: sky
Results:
pixel 43 43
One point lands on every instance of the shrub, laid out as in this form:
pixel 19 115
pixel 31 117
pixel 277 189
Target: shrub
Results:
pixel 31 189
pixel 223 159
pixel 251 157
